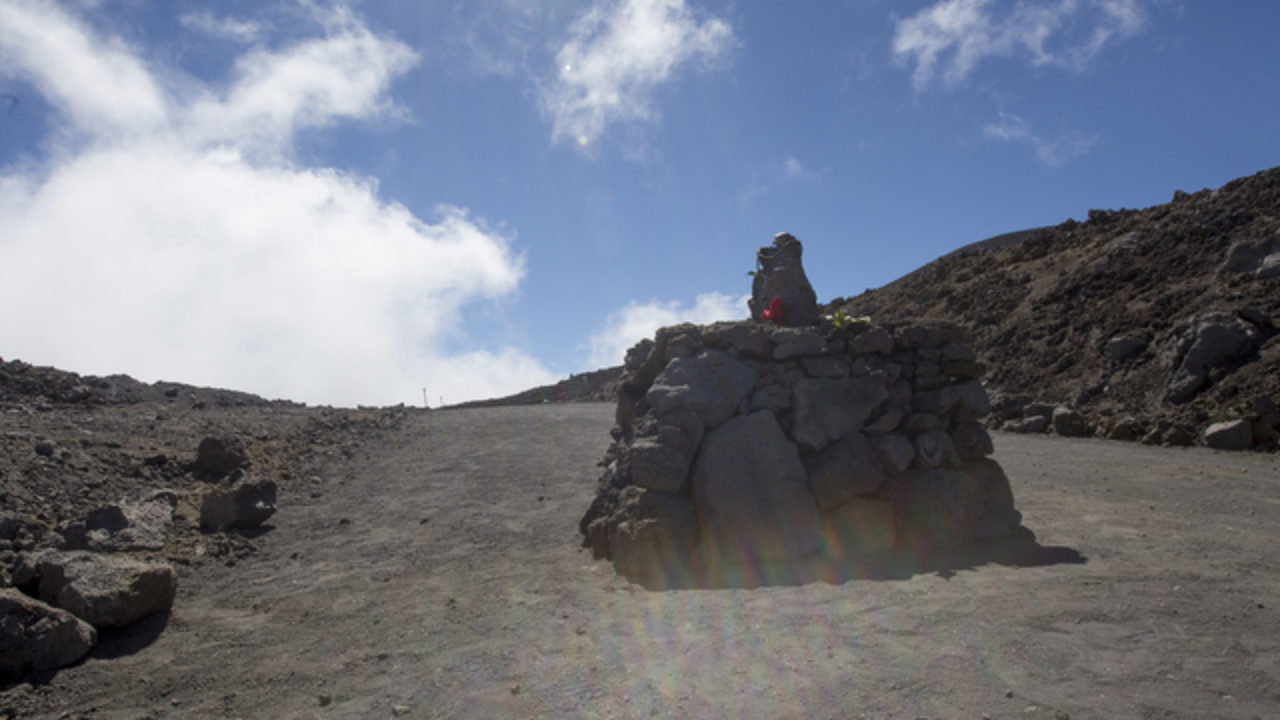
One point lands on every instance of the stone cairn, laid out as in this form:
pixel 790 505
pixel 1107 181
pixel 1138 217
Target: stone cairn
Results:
pixel 788 438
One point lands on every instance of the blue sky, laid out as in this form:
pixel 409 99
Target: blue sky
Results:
pixel 343 203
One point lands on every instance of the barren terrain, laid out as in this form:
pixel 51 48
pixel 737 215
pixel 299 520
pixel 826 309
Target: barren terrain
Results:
pixel 427 564
pixel 1095 315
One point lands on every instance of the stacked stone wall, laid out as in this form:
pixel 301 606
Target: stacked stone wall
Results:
pixel 745 443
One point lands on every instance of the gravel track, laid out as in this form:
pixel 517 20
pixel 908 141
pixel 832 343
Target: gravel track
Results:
pixel 437 573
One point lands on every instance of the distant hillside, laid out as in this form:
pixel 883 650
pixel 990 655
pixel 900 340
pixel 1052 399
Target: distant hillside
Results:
pixel 594 386
pixel 1151 322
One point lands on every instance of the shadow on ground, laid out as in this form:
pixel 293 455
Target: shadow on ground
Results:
pixel 130 639
pixel 1019 549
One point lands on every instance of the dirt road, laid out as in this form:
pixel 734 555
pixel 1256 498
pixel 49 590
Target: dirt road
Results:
pixel 439 576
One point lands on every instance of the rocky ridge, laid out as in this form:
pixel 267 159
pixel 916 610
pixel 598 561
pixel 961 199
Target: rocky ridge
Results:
pixel 1150 325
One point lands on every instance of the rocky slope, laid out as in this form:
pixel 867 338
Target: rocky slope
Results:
pixel 593 386
pixel 1150 324
pixel 70 444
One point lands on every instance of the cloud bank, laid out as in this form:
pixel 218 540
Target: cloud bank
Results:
pixel 952 37
pixel 169 232
pixel 637 321
pixel 616 55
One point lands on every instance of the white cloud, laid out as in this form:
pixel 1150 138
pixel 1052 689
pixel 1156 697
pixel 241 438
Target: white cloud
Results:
pixel 99 82
pixel 793 169
pixel 616 55
pixel 637 321
pixel 1055 152
pixel 243 31
pixel 956 35
pixel 177 238
pixel 314 83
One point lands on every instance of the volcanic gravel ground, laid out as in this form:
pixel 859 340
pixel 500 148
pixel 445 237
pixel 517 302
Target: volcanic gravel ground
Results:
pixel 427 564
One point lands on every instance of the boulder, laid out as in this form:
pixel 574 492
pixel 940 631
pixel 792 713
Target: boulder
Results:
pixel 106 591
pixel 22 533
pixel 218 456
pixel 791 343
pixel 1124 347
pixel 896 453
pixel 751 494
pixel 771 397
pixel 662 462
pixel 1269 268
pixel 1070 423
pixel 919 423
pixel 1229 435
pixel 245 503
pixel 35 637
pixel 1127 428
pixel 972 441
pixel 935 449
pixel 864 526
pixel 943 508
pixel 1030 424
pixel 711 384
pixel 637 354
pixel 843 470
pixel 870 341
pixel 825 366
pixel 1208 341
pixel 125 526
pixel 1038 409
pixel 656 537
pixel 1252 255
pixel 973 397
pixel 780 276
pixel 886 421
pixel 969 395
pixel 1265 421
pixel 826 410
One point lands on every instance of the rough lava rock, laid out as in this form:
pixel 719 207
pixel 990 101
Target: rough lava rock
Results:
pixel 711 384
pixel 1229 435
pixel 1210 341
pixel 749 488
pixel 245 502
pixel 736 448
pixel 220 456
pixel 106 591
pixel 780 276
pixel 658 535
pixel 35 637
pixel 125 526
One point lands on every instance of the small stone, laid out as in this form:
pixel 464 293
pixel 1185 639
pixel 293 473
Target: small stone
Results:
pixel 1229 435
pixel 246 504
pixel 1070 423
